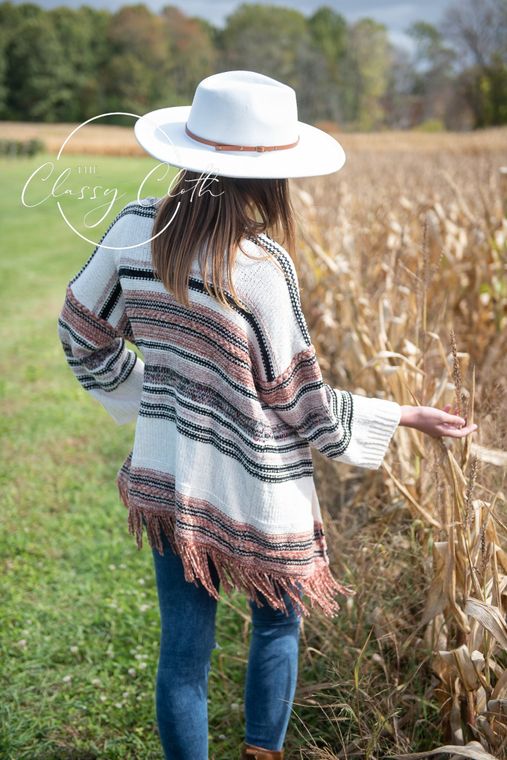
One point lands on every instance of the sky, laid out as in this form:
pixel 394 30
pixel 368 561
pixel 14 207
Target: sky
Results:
pixel 397 15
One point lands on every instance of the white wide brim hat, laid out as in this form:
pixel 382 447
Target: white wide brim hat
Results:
pixel 240 124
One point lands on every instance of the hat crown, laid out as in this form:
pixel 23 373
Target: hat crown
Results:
pixel 244 108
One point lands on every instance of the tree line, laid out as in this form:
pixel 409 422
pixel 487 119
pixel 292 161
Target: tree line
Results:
pixel 69 65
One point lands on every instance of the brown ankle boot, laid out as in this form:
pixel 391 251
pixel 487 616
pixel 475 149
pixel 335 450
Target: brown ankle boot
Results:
pixel 251 752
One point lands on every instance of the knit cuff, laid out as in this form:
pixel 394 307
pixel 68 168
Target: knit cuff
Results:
pixel 123 403
pixel 374 421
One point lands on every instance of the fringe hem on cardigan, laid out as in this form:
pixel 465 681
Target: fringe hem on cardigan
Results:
pixel 320 588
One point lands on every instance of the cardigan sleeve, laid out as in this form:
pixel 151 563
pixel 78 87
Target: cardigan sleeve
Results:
pixel 93 327
pixel 343 426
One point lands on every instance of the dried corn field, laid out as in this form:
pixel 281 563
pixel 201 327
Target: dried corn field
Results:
pixel 402 261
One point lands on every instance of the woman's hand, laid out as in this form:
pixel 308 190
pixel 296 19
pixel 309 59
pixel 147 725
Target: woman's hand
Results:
pixel 435 422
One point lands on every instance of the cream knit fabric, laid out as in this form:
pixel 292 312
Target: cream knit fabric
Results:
pixel 227 406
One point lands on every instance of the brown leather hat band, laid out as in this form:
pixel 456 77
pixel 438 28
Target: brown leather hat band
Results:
pixel 221 146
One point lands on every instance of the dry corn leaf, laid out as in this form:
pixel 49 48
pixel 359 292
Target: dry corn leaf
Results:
pixel 482 691
pixel 501 556
pixel 411 348
pixel 320 253
pixel 478 660
pixel 393 355
pixel 435 600
pixel 441 669
pixel 495 667
pixel 462 662
pixel 476 638
pixel 441 349
pixel 472 750
pixel 424 512
pixel 449 577
pixel 486 730
pixel 491 456
pixel 498 706
pixel 490 617
pixel 500 687
pixel 455 722
pixel 481 699
pixel 439 390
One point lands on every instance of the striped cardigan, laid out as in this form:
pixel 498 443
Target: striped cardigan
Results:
pixel 228 404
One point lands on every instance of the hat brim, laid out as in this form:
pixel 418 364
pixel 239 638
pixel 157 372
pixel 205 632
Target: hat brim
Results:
pixel 161 133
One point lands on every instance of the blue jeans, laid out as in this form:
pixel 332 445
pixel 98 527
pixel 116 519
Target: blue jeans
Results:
pixel 187 615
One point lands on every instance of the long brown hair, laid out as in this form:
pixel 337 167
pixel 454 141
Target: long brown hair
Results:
pixel 212 215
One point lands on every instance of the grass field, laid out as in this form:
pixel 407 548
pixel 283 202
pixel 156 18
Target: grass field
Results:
pixel 79 628
pixel 79 617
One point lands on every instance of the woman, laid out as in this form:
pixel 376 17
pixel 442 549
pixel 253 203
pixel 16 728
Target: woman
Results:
pixel 229 399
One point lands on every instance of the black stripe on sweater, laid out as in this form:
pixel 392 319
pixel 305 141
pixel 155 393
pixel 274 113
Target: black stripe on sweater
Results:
pixel 272 474
pixel 198 285
pixel 133 208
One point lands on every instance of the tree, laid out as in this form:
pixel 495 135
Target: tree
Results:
pixel 277 41
pixel 478 30
pixel 136 76
pixel 401 106
pixel 264 38
pixel 127 85
pixel 366 68
pixel 81 33
pixel 193 52
pixel 329 31
pixel 11 17
pixel 38 72
pixel 433 72
pixel 11 14
pixel 3 71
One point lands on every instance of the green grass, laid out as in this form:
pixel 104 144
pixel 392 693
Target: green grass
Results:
pixel 79 611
